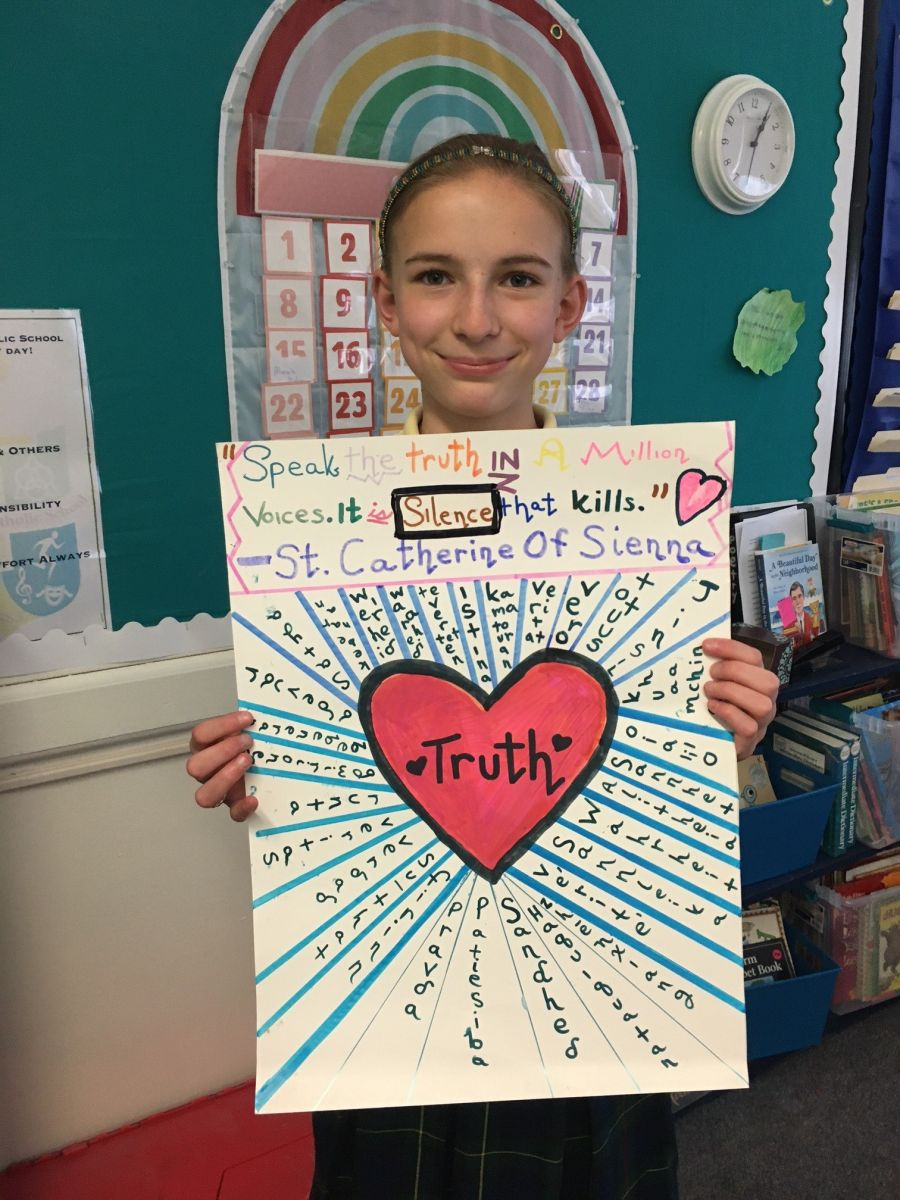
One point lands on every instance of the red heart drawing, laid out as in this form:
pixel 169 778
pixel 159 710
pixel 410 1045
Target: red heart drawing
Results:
pixel 695 493
pixel 489 773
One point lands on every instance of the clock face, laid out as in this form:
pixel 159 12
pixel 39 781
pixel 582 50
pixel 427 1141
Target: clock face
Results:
pixel 742 145
pixel 756 144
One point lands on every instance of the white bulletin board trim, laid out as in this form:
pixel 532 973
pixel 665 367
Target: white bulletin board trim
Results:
pixel 835 277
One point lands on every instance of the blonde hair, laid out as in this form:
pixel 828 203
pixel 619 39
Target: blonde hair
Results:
pixel 469 152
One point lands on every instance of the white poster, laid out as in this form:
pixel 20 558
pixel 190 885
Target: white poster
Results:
pixel 496 851
pixel 52 564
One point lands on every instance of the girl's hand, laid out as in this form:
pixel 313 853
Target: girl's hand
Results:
pixel 740 692
pixel 219 761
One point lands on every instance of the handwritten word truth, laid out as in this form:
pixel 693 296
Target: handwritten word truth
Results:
pixel 509 763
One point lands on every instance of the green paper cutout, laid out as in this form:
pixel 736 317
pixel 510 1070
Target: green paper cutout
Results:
pixel 766 333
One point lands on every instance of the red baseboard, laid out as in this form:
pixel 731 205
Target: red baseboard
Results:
pixel 215 1148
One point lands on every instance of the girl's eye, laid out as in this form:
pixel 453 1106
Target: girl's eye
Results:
pixel 519 279
pixel 433 277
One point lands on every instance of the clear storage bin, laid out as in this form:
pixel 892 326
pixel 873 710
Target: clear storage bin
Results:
pixel 860 933
pixel 878 808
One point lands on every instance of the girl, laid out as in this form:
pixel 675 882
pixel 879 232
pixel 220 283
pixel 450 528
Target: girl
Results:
pixel 478 280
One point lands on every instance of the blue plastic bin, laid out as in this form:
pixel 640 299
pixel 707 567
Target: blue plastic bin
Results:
pixel 791 1014
pixel 784 835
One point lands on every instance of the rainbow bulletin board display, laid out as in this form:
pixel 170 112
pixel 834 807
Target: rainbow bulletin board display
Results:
pixel 496 850
pixel 321 114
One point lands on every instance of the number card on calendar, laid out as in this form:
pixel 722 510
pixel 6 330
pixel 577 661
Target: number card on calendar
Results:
pixel 496 850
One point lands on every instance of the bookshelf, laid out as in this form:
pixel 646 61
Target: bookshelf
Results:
pixel 843 667
pixel 821 866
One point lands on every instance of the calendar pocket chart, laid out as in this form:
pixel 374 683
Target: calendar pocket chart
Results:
pixel 496 850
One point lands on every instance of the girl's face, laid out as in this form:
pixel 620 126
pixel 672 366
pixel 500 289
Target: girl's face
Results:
pixel 477 296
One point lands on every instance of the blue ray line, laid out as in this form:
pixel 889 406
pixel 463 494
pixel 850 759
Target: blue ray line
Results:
pixel 288 1068
pixel 673 798
pixel 663 872
pixel 345 950
pixel 632 629
pixel 462 637
pixel 673 770
pixel 352 734
pixel 437 999
pixel 423 622
pixel 331 781
pixel 429 933
pixel 304 748
pixel 402 644
pixel 520 621
pixel 635 714
pixel 326 636
pixel 357 625
pixel 637 905
pixel 677 834
pixel 552 955
pixel 338 916
pixel 295 662
pixel 595 610
pixel 522 1001
pixel 290 884
pixel 691 637
pixel 648 995
pixel 562 601
pixel 565 903
pixel 485 632
pixel 275 830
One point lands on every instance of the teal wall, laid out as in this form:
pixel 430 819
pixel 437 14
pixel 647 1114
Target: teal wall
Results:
pixel 108 205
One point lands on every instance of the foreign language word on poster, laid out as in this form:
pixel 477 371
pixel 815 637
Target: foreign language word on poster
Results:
pixel 496 850
pixel 52 565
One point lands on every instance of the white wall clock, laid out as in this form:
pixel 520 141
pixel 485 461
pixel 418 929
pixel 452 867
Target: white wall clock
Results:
pixel 743 143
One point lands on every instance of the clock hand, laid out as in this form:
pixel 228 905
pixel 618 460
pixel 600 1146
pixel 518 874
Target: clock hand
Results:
pixel 755 141
pixel 762 126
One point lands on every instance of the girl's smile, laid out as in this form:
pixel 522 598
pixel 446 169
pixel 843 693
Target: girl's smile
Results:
pixel 477 296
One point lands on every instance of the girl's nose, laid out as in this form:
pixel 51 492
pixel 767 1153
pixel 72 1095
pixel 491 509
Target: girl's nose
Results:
pixel 476 314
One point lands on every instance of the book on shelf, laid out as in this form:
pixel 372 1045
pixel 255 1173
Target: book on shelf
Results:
pixel 791 598
pixel 840 831
pixel 754 785
pixel 767 957
pixel 793 523
pixel 857 557
pixel 886 938
pixel 835 757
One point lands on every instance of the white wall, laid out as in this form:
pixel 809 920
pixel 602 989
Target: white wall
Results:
pixel 125 934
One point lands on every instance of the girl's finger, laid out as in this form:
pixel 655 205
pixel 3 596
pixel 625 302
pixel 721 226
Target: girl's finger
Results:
pixel 224 783
pixel 728 648
pixel 740 722
pixel 756 704
pixel 204 764
pixel 242 806
pixel 757 678
pixel 213 730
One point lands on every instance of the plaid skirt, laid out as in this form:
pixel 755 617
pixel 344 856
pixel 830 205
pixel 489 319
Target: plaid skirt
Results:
pixel 612 1148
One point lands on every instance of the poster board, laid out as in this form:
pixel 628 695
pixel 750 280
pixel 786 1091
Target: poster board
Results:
pixel 496 851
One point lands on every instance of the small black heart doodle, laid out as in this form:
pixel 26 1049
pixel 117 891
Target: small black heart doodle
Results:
pixel 417 765
pixel 561 742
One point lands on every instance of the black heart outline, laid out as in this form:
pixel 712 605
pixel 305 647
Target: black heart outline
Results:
pixel 418 666
pixel 705 479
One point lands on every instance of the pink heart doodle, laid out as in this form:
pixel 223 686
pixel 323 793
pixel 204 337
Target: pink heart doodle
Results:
pixel 489 773
pixel 695 493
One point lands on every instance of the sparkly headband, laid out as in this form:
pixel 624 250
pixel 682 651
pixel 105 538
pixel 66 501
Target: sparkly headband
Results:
pixel 461 152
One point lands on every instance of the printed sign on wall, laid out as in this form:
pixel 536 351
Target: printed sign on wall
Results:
pixel 496 852
pixel 52 564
